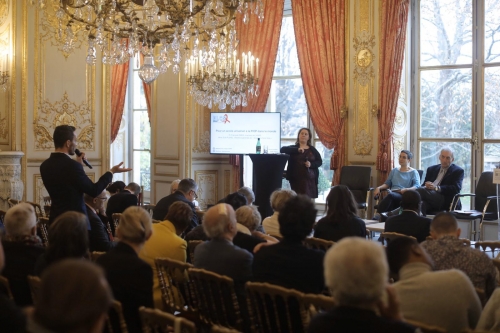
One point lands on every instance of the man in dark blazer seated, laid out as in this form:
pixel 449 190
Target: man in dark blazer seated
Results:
pixel 441 183
pixel 409 222
pixel 64 178
pixel 99 238
pixel 122 200
pixel 186 192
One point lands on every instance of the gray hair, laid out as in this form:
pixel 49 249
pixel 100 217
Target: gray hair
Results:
pixel 134 187
pixel 20 219
pixel 135 225
pixel 448 149
pixel 356 271
pixel 247 193
pixel 174 183
pixel 217 219
pixel 187 185
pixel 248 216
pixel 279 197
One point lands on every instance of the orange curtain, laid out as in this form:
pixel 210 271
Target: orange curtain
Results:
pixel 260 38
pixel 392 46
pixel 320 34
pixel 119 78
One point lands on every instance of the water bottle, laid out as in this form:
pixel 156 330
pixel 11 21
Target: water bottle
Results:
pixel 257 148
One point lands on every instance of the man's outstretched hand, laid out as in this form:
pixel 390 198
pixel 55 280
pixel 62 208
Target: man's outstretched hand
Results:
pixel 118 169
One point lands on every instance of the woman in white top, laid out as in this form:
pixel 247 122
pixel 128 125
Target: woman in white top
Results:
pixel 399 181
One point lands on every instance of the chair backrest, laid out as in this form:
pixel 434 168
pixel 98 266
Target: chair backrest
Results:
pixel 424 328
pixel 34 283
pixel 176 289
pixel 116 220
pixel 38 209
pixel 116 320
pixel 492 245
pixel 94 255
pixel 357 179
pixel 318 243
pixel 4 284
pixel 220 329
pixel 43 229
pixel 388 236
pixel 421 174
pixel 191 246
pixel 12 202
pixel 484 189
pixel 154 320
pixel 216 297
pixel 316 303
pixel 149 208
pixel 276 309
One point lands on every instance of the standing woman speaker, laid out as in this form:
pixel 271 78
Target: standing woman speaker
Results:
pixel 303 164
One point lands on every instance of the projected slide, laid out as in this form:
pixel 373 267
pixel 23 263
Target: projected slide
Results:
pixel 239 133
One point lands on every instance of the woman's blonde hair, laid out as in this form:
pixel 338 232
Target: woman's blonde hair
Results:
pixel 135 225
pixel 248 216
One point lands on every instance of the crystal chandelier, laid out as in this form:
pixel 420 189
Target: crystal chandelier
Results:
pixel 183 29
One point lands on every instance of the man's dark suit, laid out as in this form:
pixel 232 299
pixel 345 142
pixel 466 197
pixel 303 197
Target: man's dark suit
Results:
pixel 66 183
pixel 98 235
pixel 131 280
pixel 118 202
pixel 409 223
pixel 450 185
pixel 161 209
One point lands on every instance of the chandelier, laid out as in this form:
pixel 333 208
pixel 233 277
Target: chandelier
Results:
pixel 185 32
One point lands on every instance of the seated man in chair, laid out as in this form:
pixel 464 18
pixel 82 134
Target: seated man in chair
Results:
pixel 442 182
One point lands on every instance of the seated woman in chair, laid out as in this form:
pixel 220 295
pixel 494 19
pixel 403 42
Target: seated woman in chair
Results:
pixel 399 181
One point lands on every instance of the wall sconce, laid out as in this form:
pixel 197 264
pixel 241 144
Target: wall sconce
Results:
pixel 4 73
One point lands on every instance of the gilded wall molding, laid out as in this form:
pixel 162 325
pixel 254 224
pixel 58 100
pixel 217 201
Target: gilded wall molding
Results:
pixel 227 182
pixel 4 11
pixel 5 45
pixel 207 187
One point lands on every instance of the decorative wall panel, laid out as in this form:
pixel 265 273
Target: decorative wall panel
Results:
pixel 40 191
pixel 207 187
pixel 11 185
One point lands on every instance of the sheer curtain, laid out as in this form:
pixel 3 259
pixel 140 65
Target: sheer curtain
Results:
pixel 320 35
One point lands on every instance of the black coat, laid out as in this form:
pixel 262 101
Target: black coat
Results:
pixel 410 224
pixel 98 235
pixel 161 209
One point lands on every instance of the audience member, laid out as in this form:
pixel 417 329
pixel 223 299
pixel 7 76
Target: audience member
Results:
pixel 117 203
pixel 68 238
pixel 115 187
pixel 409 222
pixel 442 182
pixel 130 278
pixel 12 320
pixel 248 194
pixel 166 243
pixel 289 263
pixel 341 218
pixel 490 317
pixel 22 249
pixel 186 192
pixel 174 185
pixel 219 254
pixel 448 251
pixel 358 281
pixel 446 299
pixel 249 218
pixel 278 199
pixel 99 238
pixel 73 297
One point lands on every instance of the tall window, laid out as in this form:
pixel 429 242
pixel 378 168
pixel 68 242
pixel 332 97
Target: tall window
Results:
pixel 287 97
pixel 458 75
pixel 134 138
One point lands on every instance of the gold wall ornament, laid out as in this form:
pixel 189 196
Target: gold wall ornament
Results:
pixel 400 119
pixel 363 45
pixel 4 11
pixel 207 181
pixel 375 110
pixel 63 112
pixel 203 143
pixel 55 30
pixel 363 143
pixel 343 112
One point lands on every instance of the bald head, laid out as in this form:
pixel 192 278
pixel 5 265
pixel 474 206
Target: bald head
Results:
pixel 444 224
pixel 220 222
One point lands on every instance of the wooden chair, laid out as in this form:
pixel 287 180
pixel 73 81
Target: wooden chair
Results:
pixel 34 283
pixel 424 328
pixel 176 289
pixel 276 309
pixel 191 246
pixel 216 299
pixel 94 255
pixel 116 220
pixel 149 208
pixel 116 320
pixel 318 243
pixel 493 245
pixel 220 329
pixel 47 202
pixel 4 284
pixel 12 202
pixel 154 320
pixel 43 230
pixel 38 209
pixel 316 303
pixel 388 236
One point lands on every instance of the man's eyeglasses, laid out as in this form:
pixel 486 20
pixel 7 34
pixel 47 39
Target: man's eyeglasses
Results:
pixel 195 195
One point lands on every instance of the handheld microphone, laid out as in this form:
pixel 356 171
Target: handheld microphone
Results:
pixel 79 153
